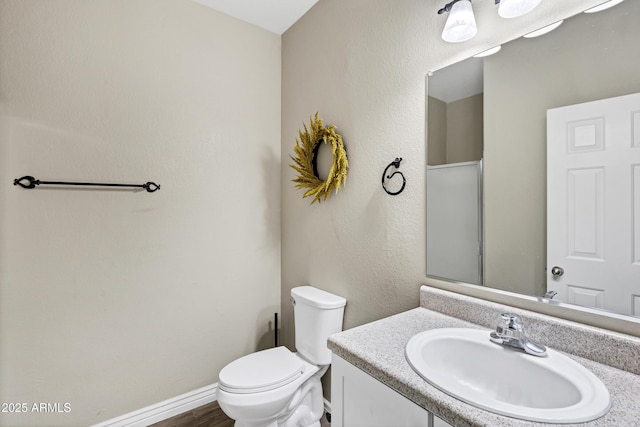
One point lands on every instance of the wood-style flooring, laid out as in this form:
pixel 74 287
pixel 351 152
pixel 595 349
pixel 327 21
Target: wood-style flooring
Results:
pixel 209 415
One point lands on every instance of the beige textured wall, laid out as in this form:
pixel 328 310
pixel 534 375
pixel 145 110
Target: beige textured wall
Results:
pixel 362 65
pixel 115 300
pixel 455 130
pixel 531 76
pixel 437 132
pixel 465 129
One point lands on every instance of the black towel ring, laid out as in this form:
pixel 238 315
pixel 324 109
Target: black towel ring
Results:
pixel 395 163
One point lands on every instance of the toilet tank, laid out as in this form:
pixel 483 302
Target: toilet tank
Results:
pixel 317 314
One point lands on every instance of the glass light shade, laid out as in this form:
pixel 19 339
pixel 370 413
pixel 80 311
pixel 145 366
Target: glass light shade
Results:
pixel 515 8
pixel 461 23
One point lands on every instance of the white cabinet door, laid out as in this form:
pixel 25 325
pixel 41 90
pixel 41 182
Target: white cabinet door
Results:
pixel 359 400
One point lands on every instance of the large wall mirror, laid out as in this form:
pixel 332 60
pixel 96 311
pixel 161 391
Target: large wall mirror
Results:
pixel 533 166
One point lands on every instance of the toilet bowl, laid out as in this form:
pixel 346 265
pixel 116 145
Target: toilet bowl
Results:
pixel 272 395
pixel 280 388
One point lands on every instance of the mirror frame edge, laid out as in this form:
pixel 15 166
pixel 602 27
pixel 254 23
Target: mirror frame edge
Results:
pixel 587 316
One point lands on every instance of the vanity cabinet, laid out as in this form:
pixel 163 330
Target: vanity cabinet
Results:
pixel 359 400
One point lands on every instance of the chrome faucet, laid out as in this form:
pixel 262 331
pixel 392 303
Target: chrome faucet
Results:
pixel 510 333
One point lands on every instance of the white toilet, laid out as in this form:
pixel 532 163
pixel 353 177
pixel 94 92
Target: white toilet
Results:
pixel 276 387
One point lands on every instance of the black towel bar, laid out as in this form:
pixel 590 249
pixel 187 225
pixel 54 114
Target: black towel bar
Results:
pixel 30 182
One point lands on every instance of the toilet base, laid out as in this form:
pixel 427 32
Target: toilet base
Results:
pixel 274 423
pixel 304 409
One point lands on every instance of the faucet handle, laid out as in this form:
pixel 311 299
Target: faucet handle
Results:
pixel 513 321
pixel 510 332
pixel 510 325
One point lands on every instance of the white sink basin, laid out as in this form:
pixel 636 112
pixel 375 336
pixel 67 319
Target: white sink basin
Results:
pixel 469 367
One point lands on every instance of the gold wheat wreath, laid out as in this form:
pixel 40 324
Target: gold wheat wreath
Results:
pixel 306 150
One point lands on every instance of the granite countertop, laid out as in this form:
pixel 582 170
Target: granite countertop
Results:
pixel 377 348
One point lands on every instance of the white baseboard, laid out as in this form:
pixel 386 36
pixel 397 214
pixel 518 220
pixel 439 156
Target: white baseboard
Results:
pixel 165 409
pixel 170 408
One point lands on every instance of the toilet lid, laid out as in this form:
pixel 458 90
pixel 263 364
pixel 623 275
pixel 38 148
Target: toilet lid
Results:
pixel 261 371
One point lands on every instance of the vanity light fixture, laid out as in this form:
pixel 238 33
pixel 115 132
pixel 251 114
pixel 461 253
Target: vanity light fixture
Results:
pixel 461 23
pixel 543 30
pixel 603 6
pixel 515 8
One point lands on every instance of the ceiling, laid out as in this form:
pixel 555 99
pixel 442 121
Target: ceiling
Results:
pixel 273 15
pixel 457 81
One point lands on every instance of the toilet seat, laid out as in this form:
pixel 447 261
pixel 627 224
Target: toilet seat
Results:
pixel 261 371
